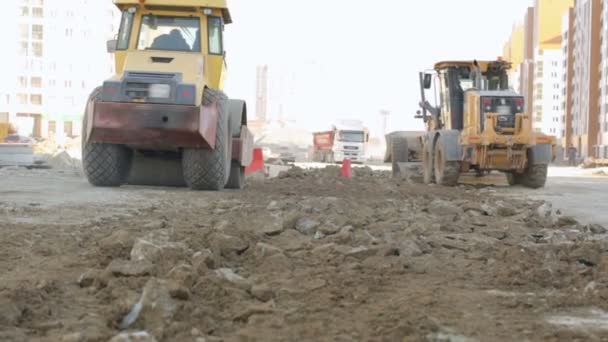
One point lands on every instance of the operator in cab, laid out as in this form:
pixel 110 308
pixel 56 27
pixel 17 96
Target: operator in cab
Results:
pixel 173 41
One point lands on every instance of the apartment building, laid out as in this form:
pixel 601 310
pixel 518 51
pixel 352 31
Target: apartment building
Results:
pixel 527 68
pixel 602 150
pixel 548 65
pixel 514 53
pixel 586 76
pixel 55 57
pixel 567 76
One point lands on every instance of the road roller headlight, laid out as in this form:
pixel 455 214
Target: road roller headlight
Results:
pixel 159 91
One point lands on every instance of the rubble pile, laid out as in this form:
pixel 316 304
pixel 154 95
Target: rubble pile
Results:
pixel 311 256
pixel 62 156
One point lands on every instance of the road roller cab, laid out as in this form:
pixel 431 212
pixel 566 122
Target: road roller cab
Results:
pixel 166 101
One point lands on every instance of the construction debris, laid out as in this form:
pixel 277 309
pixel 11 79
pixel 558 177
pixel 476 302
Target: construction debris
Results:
pixel 306 256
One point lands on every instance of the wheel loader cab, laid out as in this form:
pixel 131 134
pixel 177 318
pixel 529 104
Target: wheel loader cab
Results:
pixel 460 86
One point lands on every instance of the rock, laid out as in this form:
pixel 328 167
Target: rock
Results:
pixel 489 210
pixel 565 221
pixel 154 250
pixel 229 245
pixel 362 253
pixel 256 309
pixel 139 336
pixel 441 207
pixel 273 229
pixel 273 205
pixel 74 337
pixel 307 226
pixel 262 293
pixel 88 278
pixel 155 225
pixel 545 210
pixel 344 237
pixel 387 251
pixel 473 209
pixel 318 236
pixel 596 229
pixel 181 279
pixel 587 256
pixel 154 309
pixel 497 234
pixel 263 250
pixel 179 291
pixel 117 244
pixel 204 260
pixel 450 243
pixel 92 327
pixel 277 263
pixel 292 241
pixel 328 229
pixel 409 248
pixel 230 276
pixel 10 313
pixel 125 268
pixel 505 210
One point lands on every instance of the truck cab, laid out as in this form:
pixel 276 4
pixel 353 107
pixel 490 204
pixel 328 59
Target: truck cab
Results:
pixel 347 140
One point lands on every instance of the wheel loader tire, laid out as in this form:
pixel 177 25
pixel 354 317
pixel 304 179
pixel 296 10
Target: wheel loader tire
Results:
pixel 104 165
pixel 428 175
pixel 237 176
pixel 399 153
pixel 446 172
pixel 209 169
pixel 535 176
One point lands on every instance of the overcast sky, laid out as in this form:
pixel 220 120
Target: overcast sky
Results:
pixel 352 58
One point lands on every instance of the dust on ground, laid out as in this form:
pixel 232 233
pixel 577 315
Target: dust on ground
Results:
pixel 307 256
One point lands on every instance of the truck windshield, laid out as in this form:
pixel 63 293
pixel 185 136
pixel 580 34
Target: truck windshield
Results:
pixel 351 136
pixel 169 33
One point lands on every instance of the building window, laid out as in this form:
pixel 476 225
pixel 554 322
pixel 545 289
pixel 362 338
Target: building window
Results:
pixel 69 32
pixel 52 83
pixel 36 99
pixel 23 81
pixel 22 99
pixel 67 128
pixel 23 49
pixel 24 32
pixel 37 32
pixel 52 127
pixel 24 11
pixel 36 82
pixel 37 49
pixel 67 83
pixel 37 12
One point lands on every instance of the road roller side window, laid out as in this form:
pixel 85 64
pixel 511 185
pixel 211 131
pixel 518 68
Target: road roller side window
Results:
pixel 124 34
pixel 215 27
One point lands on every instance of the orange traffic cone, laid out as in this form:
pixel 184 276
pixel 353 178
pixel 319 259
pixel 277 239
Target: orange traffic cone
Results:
pixel 347 171
pixel 258 162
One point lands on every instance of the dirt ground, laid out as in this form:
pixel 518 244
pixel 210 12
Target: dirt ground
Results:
pixel 308 256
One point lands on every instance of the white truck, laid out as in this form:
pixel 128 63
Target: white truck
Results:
pixel 347 140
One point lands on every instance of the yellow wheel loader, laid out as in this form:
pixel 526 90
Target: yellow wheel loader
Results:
pixel 163 119
pixel 479 124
